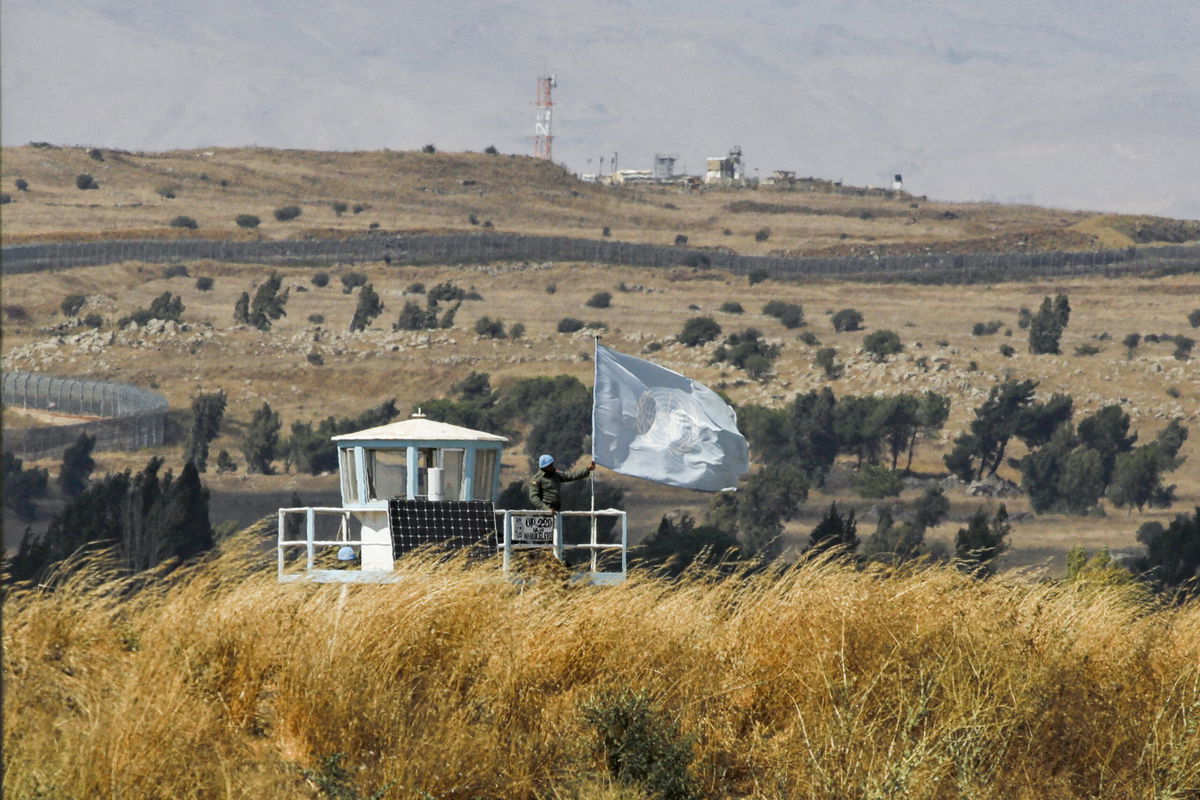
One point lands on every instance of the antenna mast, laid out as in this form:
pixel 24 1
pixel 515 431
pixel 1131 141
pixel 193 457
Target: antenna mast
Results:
pixel 543 139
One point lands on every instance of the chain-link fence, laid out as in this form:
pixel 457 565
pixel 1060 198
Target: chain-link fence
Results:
pixel 490 247
pixel 127 417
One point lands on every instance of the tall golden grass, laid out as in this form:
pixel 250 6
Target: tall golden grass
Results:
pixel 819 681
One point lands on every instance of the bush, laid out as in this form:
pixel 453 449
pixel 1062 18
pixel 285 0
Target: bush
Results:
pixel 762 234
pixel 1183 347
pixel 368 308
pixel 414 318
pixel 809 338
pixel 175 271
pixel 166 192
pixel 756 275
pixel 1007 350
pixel 697 260
pixel 681 239
pixel 848 319
pixel 339 207
pixel 247 221
pixel 599 300
pixel 22 185
pixel 471 218
pixel 86 181
pixel 827 360
pixel 92 321
pixel 699 330
pixel 352 280
pixel 569 325
pixel 316 319
pixel 489 328
pixel 881 344
pixel 358 208
pixel 184 222
pixel 790 314
pixel 204 284
pixel 491 150
pixel 5 198
pixel 95 155
pixel 287 213
pixel 517 330
pixel 731 307
pixel 606 232
pixel 446 290
pixel 1193 316
pixel 72 304
pixel 986 328
pixel 428 149
pixel 873 481
pixel 1086 349
pixel 320 279
pixel 641 744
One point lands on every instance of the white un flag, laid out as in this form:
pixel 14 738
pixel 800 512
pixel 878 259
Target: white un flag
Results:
pixel 652 423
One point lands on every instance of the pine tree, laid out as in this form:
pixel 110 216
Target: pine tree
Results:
pixel 262 440
pixel 77 466
pixel 207 412
pixel 369 307
pixel 978 545
pixel 834 530
pixel 241 309
pixel 268 303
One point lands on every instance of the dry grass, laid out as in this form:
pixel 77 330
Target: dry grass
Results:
pixel 819 682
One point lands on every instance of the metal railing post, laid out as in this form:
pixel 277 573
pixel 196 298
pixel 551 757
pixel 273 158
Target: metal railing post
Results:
pixel 279 544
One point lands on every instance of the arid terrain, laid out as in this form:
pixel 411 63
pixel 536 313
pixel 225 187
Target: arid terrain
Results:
pixel 436 192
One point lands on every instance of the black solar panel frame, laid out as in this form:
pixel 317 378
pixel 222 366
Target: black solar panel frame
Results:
pixel 447 525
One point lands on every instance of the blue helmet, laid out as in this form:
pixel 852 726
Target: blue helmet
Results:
pixel 545 460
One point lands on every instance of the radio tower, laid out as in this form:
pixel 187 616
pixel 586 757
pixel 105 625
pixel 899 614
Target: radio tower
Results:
pixel 543 139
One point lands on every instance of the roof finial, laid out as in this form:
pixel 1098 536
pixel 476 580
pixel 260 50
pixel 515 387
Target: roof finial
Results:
pixel 417 414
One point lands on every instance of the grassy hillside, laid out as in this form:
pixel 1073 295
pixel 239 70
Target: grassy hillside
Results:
pixel 818 682
pixel 441 191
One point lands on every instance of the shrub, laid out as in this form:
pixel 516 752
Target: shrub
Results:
pixel 5 198
pixel 287 213
pixel 95 155
pixel 352 280
pixel 93 321
pixel 790 314
pixel 22 185
pixel 369 307
pixel 762 234
pixel 489 328
pixel 1007 350
pixel 517 330
pixel 986 328
pixel 471 218
pixel 446 290
pixel 826 359
pixel 491 150
pixel 599 300
pixel 699 330
pixel 204 284
pixel 551 288
pixel 697 260
pixel 428 149
pixel 641 744
pixel 247 221
pixel 316 319
pixel 86 181
pixel 72 304
pixel 339 207
pixel 731 307
pixel 320 279
pixel 414 318
pixel 681 239
pixel 1193 316
pixel 881 344
pixel 873 481
pixel 315 358
pixel 167 192
pixel 1024 317
pixel 184 222
pixel 175 271
pixel 1183 347
pixel 756 275
pixel 358 208
pixel 606 232
pixel 848 319
pixel 809 338
pixel 569 325
pixel 1086 349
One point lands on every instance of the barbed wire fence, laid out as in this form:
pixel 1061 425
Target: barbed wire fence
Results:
pixel 491 247
pixel 126 417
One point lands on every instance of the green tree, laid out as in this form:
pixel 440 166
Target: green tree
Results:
pixel 769 497
pixel 72 304
pixel 699 330
pixel 1138 479
pixel 241 309
pixel 981 449
pixel 1107 432
pixel 835 530
pixel 369 307
pixel 848 319
pixel 859 428
pixel 873 481
pixel 77 466
pixel 208 409
pixel 977 546
pixel 268 304
pixel 881 344
pixel 262 440
pixel 1172 557
pixel 676 546
pixel 23 486
pixel 1046 326
pixel 827 360
pixel 814 434
pixel 930 508
pixel 247 221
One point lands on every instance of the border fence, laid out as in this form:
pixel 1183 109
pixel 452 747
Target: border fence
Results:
pixel 128 417
pixel 490 247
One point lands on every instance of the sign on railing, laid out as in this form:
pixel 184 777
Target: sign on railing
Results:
pixel 532 528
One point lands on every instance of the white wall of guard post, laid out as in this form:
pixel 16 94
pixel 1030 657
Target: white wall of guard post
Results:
pixel 507 546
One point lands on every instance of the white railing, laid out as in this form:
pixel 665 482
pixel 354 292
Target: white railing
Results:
pixel 507 545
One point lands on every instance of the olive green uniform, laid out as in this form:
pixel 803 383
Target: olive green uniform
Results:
pixel 543 487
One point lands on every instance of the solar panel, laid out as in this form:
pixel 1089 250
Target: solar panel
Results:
pixel 447 524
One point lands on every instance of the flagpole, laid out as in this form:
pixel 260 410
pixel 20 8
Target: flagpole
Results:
pixel 595 377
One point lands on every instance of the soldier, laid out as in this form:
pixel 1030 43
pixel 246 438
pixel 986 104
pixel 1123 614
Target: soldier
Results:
pixel 543 487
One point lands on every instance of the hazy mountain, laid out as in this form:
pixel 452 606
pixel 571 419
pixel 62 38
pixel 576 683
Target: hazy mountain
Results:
pixel 1077 103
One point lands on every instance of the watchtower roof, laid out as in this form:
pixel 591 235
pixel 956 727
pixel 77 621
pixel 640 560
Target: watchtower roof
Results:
pixel 420 429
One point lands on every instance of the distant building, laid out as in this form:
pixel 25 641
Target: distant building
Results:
pixel 898 182
pixel 726 170
pixel 781 177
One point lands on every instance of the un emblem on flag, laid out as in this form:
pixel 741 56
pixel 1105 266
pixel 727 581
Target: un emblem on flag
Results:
pixel 666 419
